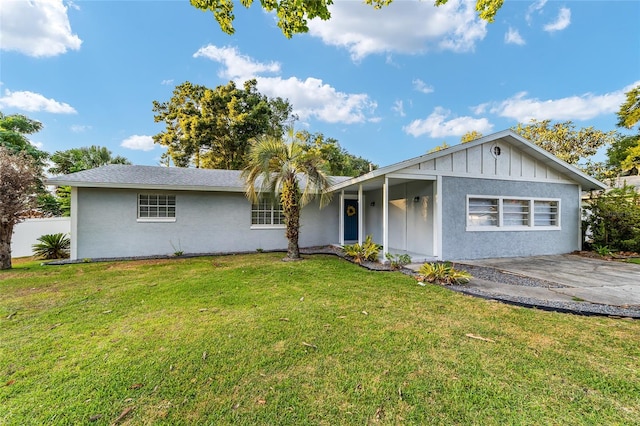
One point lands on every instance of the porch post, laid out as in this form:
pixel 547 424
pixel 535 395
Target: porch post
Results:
pixel 437 222
pixel 360 214
pixel 385 216
pixel 341 219
pixel 73 253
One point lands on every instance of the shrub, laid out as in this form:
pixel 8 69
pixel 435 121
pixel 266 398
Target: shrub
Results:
pixel 52 246
pixel 614 219
pixel 397 261
pixel 443 273
pixel 368 250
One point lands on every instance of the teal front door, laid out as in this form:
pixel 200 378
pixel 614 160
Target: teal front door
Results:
pixel 350 220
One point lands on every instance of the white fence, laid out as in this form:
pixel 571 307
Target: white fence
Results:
pixel 26 233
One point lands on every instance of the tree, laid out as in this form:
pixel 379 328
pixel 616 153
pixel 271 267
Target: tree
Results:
pixel 79 159
pixel 619 151
pixel 13 131
pixel 283 169
pixel 631 164
pixel 614 217
pixel 563 141
pixel 293 14
pixel 338 161
pixel 212 128
pixel 18 181
pixel 629 112
pixel 470 136
pixel 438 148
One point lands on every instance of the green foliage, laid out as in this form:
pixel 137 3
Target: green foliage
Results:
pixel 602 250
pixel 562 140
pixel 279 167
pixel 631 163
pixel 614 219
pixel 368 250
pixel 294 14
pixel 470 136
pixel 52 246
pixel 337 160
pixel 397 261
pixel 438 148
pixel 619 150
pixel 213 128
pixel 629 112
pixel 85 158
pixel 13 131
pixel 443 273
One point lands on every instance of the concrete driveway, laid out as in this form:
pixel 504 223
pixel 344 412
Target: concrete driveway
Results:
pixel 581 278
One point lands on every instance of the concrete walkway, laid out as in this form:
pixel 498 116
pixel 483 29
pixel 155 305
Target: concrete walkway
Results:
pixel 579 278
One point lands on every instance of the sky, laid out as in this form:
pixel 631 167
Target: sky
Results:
pixel 388 84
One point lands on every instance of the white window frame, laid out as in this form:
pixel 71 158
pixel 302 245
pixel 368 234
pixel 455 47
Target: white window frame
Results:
pixel 531 219
pixel 168 205
pixel 273 212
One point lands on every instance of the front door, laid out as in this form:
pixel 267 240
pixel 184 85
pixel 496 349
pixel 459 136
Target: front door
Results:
pixel 350 220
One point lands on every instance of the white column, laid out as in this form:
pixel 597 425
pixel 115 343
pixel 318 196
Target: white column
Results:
pixel 437 220
pixel 360 214
pixel 73 253
pixel 385 216
pixel 341 218
pixel 579 217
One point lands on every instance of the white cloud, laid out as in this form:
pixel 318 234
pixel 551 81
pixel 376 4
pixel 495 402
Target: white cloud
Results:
pixel 167 82
pixel 139 143
pixel 421 86
pixel 583 107
pixel 37 28
pixel 513 37
pixel 437 125
pixel 79 128
pixel 398 108
pixel 562 21
pixel 236 66
pixel 311 97
pixel 534 7
pixel 32 102
pixel 402 27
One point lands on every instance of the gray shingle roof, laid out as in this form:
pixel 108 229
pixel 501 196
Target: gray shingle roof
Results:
pixel 154 177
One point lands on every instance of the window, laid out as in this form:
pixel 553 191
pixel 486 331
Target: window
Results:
pixel 511 213
pixel 156 207
pixel 267 213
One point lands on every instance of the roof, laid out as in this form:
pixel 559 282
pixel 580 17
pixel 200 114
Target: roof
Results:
pixel 156 177
pixel 509 136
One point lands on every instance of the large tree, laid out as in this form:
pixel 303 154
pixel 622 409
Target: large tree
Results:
pixel 13 135
pixel 212 128
pixel 293 14
pixel 18 181
pixel 629 112
pixel 84 158
pixel 564 141
pixel 338 161
pixel 284 170
pixel 619 150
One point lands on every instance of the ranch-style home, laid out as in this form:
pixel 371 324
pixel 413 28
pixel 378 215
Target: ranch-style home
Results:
pixel 498 196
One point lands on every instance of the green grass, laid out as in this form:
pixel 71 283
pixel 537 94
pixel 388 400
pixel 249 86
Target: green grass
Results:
pixel 634 260
pixel 253 340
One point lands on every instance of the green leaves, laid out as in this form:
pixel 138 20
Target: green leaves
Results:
pixel 629 112
pixel 52 246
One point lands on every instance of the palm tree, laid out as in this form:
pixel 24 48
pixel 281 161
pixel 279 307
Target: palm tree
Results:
pixel 281 168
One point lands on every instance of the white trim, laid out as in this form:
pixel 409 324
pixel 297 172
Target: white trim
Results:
pixel 427 175
pixel 156 219
pixel 500 227
pixel 268 226
pixel 73 252
pixel 341 218
pixel 360 214
pixel 580 217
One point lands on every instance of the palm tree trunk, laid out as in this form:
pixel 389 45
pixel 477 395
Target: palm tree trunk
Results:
pixel 290 198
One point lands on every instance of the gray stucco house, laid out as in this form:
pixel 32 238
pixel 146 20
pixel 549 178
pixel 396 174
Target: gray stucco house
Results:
pixel 497 196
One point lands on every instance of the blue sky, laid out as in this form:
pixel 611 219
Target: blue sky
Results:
pixel 388 84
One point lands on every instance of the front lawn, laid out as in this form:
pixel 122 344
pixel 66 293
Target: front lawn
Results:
pixel 249 339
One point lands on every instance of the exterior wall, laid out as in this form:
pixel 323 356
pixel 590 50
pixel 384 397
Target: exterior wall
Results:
pixel 26 233
pixel 107 225
pixel 460 244
pixel 373 215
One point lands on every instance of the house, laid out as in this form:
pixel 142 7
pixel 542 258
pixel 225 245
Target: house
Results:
pixel 497 196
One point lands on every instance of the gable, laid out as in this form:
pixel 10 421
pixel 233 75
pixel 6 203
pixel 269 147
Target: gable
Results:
pixel 493 159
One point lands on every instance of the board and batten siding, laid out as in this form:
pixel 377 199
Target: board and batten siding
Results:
pixel 480 161
pixel 205 222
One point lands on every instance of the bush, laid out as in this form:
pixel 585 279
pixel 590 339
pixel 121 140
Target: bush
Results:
pixel 368 250
pixel 52 246
pixel 614 220
pixel 397 261
pixel 443 273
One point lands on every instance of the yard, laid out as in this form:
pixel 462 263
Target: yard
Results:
pixel 249 339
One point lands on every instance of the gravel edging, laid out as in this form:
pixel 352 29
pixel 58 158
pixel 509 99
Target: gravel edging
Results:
pixel 480 272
